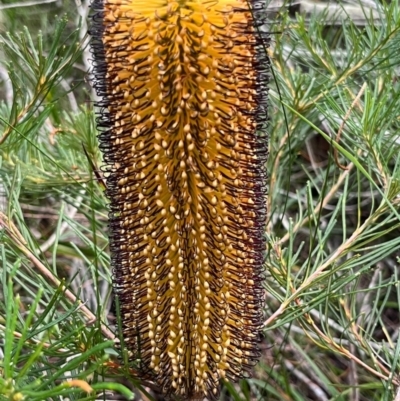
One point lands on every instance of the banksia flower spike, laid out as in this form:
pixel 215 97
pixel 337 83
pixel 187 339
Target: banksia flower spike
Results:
pixel 183 91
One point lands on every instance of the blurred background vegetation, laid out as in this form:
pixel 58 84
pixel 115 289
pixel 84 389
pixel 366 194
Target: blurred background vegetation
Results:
pixel 332 285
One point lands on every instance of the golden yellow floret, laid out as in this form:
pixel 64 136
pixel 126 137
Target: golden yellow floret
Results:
pixel 183 95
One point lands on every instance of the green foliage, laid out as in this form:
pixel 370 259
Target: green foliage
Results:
pixel 332 294
pixel 332 268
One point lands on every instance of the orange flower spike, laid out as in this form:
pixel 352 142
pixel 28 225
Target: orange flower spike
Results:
pixel 183 114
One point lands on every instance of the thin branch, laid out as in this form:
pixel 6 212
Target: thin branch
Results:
pixel 16 334
pixel 20 242
pixel 314 388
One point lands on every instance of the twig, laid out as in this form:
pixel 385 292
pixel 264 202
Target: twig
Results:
pixel 300 330
pixel 33 340
pixel 353 377
pixel 314 388
pixel 345 352
pixel 20 242
pixel 365 310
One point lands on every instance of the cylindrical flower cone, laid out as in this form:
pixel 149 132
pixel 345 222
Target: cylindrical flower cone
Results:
pixel 183 92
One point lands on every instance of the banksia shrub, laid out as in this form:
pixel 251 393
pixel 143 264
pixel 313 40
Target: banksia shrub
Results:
pixel 182 87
